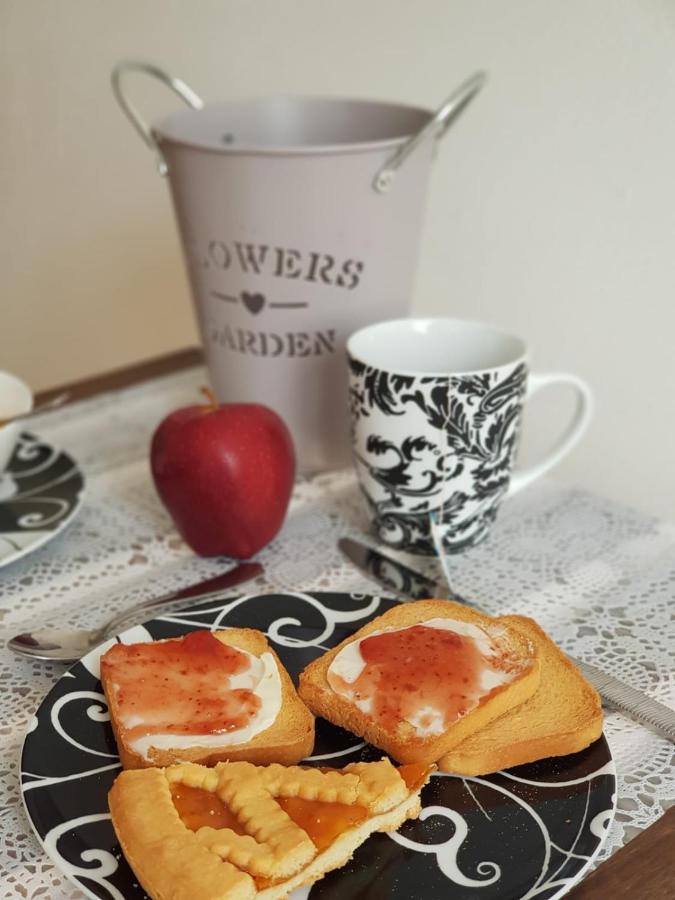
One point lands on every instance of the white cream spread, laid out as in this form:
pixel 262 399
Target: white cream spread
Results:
pixel 348 665
pixel 261 677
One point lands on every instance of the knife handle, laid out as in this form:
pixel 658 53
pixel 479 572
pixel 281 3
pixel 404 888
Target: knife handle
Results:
pixel 630 701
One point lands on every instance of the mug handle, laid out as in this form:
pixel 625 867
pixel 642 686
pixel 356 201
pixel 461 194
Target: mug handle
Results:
pixel 572 434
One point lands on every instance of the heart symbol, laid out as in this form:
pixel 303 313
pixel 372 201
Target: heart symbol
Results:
pixel 253 302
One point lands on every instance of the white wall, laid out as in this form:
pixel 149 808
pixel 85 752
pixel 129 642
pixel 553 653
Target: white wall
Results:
pixel 552 206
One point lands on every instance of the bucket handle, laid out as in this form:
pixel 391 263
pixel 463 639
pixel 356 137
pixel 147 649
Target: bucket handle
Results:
pixel 179 87
pixel 436 127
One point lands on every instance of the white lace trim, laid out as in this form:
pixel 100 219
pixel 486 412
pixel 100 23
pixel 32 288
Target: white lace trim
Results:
pixel 598 577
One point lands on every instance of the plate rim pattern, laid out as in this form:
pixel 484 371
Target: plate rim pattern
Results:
pixel 97 712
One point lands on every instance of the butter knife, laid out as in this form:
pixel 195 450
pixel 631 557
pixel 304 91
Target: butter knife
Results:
pixel 406 582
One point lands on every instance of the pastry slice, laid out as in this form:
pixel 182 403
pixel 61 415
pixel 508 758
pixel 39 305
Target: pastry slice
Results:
pixel 421 678
pixel 563 716
pixel 204 698
pixel 240 831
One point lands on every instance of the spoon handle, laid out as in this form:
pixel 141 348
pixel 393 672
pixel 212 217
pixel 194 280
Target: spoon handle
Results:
pixel 202 590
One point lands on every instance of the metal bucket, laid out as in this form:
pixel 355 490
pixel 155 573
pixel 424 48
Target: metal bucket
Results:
pixel 300 224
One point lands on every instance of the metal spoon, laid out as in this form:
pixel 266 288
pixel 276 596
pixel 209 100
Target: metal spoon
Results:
pixel 70 644
pixel 54 403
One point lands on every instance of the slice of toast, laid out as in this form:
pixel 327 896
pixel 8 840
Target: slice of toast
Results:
pixel 513 653
pixel 287 737
pixel 563 716
pixel 238 831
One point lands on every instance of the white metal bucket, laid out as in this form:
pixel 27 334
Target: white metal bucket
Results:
pixel 300 224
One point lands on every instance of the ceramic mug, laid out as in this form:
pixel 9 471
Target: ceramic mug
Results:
pixel 436 407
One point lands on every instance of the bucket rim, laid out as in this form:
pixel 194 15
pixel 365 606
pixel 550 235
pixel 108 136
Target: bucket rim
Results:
pixel 159 128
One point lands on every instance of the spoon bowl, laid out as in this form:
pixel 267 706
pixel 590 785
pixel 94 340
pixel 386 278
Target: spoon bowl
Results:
pixel 60 644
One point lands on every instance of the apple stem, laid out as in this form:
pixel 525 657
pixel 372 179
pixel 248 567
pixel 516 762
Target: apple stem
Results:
pixel 210 396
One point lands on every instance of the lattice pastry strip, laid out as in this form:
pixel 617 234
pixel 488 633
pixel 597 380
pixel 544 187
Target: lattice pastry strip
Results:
pixel 273 848
pixel 312 784
pixel 379 785
pixel 193 775
pixel 149 828
pixel 273 844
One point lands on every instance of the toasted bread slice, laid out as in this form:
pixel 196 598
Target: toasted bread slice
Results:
pixel 287 739
pixel 563 716
pixel 516 654
pixel 239 831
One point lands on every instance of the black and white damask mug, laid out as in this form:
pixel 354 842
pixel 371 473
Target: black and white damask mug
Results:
pixel 436 408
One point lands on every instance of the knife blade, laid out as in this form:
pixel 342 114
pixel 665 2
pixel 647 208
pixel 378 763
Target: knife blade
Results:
pixel 409 583
pixel 392 574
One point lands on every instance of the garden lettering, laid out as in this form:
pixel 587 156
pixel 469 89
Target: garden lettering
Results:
pixel 269 343
pixel 251 259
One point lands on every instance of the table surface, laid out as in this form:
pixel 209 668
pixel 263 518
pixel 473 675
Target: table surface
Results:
pixel 560 555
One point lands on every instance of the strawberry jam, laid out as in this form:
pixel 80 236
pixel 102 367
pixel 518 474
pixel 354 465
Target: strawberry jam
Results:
pixel 180 686
pixel 426 676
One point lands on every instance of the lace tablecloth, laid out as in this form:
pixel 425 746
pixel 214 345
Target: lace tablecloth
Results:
pixel 598 577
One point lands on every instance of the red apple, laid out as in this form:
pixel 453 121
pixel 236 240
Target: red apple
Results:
pixel 225 474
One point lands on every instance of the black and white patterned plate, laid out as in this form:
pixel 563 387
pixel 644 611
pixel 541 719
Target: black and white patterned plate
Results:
pixel 524 833
pixel 40 492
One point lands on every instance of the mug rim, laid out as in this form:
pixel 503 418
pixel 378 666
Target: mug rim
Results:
pixel 521 357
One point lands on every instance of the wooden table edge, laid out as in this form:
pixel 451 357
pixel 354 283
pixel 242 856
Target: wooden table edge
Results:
pixel 641 870
pixel 126 376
